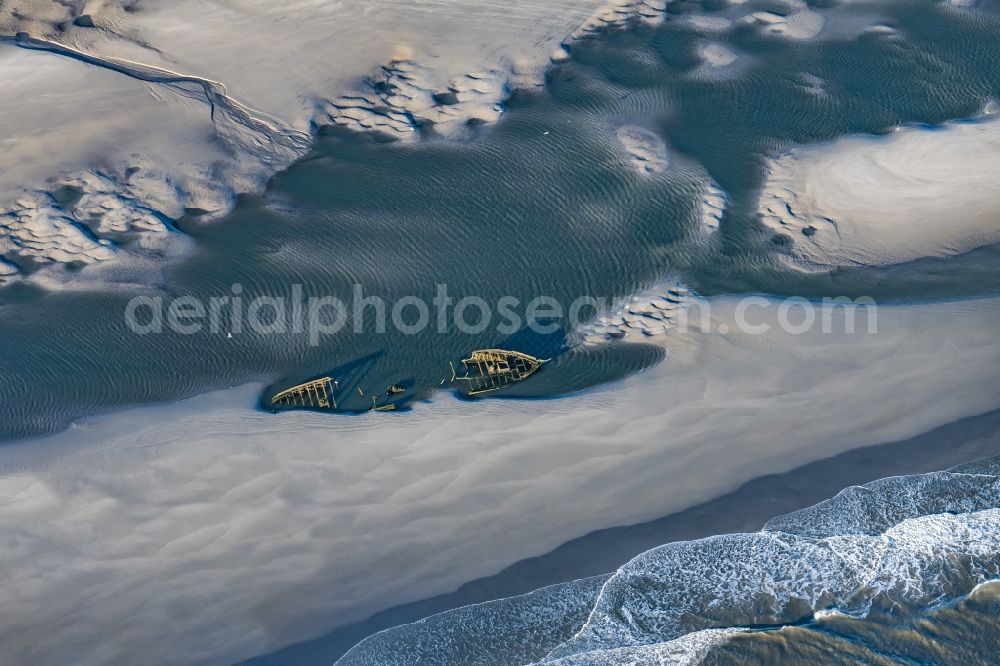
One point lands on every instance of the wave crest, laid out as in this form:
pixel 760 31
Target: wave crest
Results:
pixel 909 542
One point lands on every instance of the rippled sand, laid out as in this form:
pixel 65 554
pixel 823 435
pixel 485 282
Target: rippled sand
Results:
pixel 166 147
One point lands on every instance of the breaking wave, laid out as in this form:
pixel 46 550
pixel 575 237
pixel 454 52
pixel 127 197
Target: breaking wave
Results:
pixel 516 630
pixel 912 544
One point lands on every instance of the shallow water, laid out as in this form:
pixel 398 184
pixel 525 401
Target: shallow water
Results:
pixel 543 203
pixel 961 632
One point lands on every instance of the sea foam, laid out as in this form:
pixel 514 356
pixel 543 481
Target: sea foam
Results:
pixel 914 541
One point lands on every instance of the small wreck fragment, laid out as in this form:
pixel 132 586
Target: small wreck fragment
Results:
pixel 386 407
pixel 493 369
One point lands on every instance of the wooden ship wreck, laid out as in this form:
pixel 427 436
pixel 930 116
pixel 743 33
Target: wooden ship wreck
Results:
pixel 317 394
pixel 489 370
pixel 484 371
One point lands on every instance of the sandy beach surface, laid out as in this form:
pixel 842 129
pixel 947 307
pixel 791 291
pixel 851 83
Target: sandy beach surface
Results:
pixel 746 509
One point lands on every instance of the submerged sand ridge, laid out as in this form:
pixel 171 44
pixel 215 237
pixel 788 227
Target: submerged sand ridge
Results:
pixel 917 192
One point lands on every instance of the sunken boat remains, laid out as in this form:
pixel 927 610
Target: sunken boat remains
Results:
pixel 489 370
pixel 485 370
pixel 317 394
